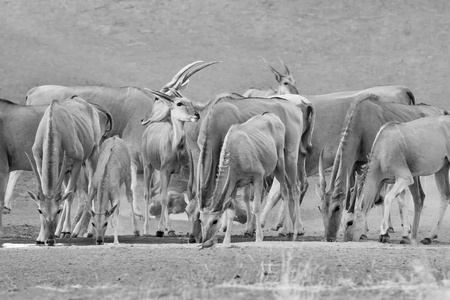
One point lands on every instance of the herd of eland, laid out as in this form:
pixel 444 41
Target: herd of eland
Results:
pixel 89 141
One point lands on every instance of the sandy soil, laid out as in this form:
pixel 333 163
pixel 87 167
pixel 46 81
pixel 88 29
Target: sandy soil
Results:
pixel 343 45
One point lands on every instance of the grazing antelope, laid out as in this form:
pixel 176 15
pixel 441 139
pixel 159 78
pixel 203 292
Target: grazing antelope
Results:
pixel 286 84
pixel 308 113
pixel 354 148
pixel 192 130
pixel 69 132
pixel 112 172
pixel 239 213
pixel 355 193
pixel 400 154
pixel 251 151
pixel 228 111
pixel 330 120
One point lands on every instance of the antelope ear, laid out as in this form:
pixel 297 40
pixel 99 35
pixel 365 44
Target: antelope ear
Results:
pixel 278 77
pixel 165 101
pixel 161 96
pixel 111 211
pixel 33 196
pixel 319 191
pixel 89 211
pixel 66 195
pixel 183 86
pixel 186 198
pixel 322 182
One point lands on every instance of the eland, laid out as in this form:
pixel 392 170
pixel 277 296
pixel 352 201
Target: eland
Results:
pixel 355 192
pixel 112 172
pixel 363 120
pixel 169 160
pixel 228 111
pixel 17 133
pixel 68 135
pixel 163 147
pixel 251 151
pixel 400 154
pixel 192 130
pixel 286 84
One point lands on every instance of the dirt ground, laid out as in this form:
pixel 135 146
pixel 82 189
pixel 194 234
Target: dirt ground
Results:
pixel 151 267
pixel 329 46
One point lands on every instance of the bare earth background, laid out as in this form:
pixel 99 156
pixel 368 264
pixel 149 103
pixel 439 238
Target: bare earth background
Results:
pixel 328 45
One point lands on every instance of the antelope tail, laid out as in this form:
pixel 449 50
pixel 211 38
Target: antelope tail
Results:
pixel 190 187
pixel 411 96
pixel 309 128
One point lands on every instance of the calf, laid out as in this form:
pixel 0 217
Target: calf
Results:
pixel 113 170
pixel 251 151
pixel 400 154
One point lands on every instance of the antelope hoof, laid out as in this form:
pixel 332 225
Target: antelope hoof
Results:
pixel 137 233
pixel 425 241
pixel 301 233
pixel 384 238
pixel 405 240
pixel 390 230
pixel 90 235
pixel 290 236
pixel 363 237
pixel 248 234
pixel 74 235
pixel 192 239
pixel 39 243
pixel 65 235
pixel 50 242
pixel 276 228
pixel 160 234
pixel 6 210
pixel 171 233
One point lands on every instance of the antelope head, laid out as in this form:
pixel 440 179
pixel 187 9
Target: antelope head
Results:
pixel 209 222
pixel 286 82
pixel 99 222
pixel 49 206
pixel 332 205
pixel 180 108
pixel 170 93
pixel 193 212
